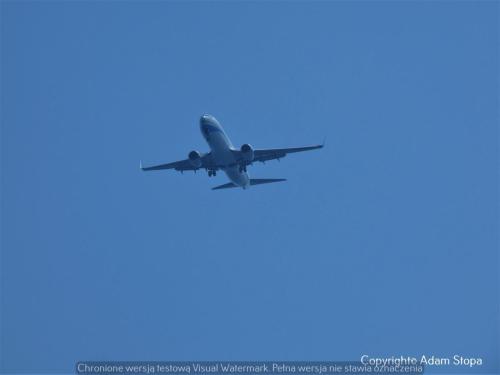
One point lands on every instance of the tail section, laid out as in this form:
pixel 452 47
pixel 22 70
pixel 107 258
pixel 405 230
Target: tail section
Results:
pixel 253 181
pixel 225 186
pixel 258 181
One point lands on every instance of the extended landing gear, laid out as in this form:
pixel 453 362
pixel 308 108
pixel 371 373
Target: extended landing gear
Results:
pixel 212 173
pixel 243 168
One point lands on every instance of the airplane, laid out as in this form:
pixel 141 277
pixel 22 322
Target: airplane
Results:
pixel 223 156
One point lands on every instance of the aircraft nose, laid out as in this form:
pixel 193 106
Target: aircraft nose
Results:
pixel 205 119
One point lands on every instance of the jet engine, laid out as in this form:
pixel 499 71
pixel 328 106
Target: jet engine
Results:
pixel 247 152
pixel 195 159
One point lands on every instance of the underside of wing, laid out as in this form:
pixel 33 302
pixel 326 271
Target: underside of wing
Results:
pixel 263 155
pixel 278 153
pixel 204 161
pixel 182 165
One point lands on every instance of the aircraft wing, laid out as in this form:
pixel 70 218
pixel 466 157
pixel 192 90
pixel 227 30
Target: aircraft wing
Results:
pixel 275 153
pixel 182 165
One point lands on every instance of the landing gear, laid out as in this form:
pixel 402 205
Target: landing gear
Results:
pixel 212 173
pixel 243 168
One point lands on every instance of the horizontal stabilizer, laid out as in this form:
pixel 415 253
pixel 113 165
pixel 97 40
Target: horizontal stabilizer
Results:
pixel 253 181
pixel 258 181
pixel 225 186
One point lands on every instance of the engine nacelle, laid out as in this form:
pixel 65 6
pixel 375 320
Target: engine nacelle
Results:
pixel 195 159
pixel 247 152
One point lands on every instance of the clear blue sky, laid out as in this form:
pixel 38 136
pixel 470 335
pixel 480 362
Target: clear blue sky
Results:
pixel 384 243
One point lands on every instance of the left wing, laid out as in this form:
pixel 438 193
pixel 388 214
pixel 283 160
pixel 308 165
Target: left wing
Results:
pixel 274 153
pixel 183 165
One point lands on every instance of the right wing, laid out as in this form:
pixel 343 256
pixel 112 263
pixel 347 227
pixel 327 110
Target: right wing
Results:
pixel 263 155
pixel 277 153
pixel 183 165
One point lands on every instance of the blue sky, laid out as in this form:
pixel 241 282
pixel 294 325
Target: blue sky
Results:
pixel 383 243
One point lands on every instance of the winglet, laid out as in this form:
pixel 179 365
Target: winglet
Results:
pixel 140 165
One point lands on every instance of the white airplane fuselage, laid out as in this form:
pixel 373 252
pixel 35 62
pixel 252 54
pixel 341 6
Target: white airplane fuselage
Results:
pixel 221 148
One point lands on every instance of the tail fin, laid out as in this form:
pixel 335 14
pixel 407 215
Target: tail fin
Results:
pixel 253 181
